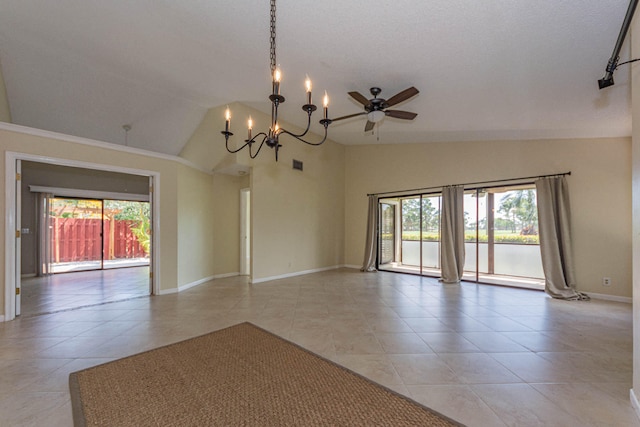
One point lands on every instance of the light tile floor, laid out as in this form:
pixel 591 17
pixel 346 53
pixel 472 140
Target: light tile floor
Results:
pixel 72 290
pixel 483 355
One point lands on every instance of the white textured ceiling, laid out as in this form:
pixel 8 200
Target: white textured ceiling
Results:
pixel 491 69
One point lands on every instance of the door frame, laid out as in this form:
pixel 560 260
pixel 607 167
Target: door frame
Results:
pixel 396 230
pixel 13 212
pixel 18 237
pixel 245 232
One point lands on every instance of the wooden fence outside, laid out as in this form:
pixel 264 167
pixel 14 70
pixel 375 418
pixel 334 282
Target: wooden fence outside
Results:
pixel 80 239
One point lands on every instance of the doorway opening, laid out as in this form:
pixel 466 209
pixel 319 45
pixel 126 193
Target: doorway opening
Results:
pixel 90 188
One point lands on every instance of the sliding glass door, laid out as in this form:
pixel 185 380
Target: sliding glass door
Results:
pixel 501 235
pixel 416 239
pixel 88 234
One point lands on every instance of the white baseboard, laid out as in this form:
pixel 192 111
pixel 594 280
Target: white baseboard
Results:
pixel 634 403
pixel 222 276
pixel 357 267
pixel 606 297
pixel 297 273
pixel 196 283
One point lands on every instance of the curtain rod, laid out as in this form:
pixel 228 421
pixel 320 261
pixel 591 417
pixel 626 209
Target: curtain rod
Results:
pixel 471 183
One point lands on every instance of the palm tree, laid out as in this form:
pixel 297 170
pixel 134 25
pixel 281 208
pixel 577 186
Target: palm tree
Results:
pixel 521 206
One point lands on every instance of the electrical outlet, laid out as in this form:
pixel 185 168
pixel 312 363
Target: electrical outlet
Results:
pixel 606 281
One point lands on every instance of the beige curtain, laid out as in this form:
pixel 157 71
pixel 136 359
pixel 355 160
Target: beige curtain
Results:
pixel 371 243
pixel 554 222
pixel 452 234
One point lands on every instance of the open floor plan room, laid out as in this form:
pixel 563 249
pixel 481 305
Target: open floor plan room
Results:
pixel 483 355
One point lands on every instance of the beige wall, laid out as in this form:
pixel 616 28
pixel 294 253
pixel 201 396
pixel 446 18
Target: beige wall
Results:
pixel 600 187
pixel 297 217
pixel 176 182
pixel 206 147
pixel 5 112
pixel 195 225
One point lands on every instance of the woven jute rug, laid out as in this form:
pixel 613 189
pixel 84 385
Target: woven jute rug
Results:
pixel 238 376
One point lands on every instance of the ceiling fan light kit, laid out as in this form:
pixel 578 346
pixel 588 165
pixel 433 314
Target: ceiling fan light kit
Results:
pixel 375 116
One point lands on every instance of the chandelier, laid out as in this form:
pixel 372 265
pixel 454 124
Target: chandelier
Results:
pixel 271 137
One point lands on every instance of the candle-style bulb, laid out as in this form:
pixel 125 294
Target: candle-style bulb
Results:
pixel 307 84
pixel 325 102
pixel 227 118
pixel 250 126
pixel 277 76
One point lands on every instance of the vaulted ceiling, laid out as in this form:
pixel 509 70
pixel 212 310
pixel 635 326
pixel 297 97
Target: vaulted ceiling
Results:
pixel 486 70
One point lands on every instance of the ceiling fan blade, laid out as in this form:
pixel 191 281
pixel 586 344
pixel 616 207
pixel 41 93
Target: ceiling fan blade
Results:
pixel 406 115
pixel 349 116
pixel 402 96
pixel 359 97
pixel 369 126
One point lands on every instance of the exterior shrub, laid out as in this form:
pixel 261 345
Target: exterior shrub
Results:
pixel 471 238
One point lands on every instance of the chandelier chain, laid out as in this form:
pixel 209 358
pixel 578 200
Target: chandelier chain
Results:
pixel 273 36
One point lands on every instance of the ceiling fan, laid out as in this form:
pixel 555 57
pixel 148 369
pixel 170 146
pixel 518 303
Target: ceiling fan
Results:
pixel 376 109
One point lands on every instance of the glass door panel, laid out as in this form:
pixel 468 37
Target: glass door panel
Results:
pixel 501 236
pixel 76 234
pixel 430 234
pixel 517 245
pixel 476 235
pixel 126 233
pixel 387 252
pixel 410 225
